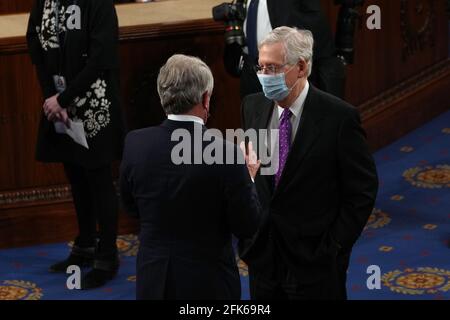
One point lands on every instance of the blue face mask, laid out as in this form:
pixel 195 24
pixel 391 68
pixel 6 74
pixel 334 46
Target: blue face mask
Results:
pixel 274 86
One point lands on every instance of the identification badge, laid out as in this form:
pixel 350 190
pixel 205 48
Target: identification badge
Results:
pixel 60 83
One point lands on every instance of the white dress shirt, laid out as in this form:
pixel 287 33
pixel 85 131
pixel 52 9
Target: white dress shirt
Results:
pixel 296 109
pixel 263 22
pixel 182 117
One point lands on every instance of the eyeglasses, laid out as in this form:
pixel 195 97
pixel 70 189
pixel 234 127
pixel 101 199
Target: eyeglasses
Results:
pixel 271 69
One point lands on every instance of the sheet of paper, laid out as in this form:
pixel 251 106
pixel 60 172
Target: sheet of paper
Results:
pixel 76 131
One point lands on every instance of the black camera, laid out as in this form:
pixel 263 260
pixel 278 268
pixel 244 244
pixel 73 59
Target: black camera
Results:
pixel 346 26
pixel 233 15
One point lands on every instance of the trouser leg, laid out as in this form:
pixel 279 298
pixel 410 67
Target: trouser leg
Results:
pixel 83 205
pixel 105 204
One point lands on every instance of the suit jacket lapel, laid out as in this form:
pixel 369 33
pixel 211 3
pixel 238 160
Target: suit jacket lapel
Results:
pixel 307 134
pixel 261 122
pixel 263 118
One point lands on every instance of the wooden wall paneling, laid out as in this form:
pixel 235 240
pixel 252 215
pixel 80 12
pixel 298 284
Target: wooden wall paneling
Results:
pixel 386 57
pixel 15 6
pixel 20 111
pixel 407 105
pixel 46 223
pixel 140 63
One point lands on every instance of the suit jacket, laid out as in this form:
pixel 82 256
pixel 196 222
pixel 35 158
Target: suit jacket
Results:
pixel 187 216
pixel 304 14
pixel 326 192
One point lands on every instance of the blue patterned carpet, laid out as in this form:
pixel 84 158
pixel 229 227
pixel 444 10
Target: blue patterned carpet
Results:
pixel 407 236
pixel 409 231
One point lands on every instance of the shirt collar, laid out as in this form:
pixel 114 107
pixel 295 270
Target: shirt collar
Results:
pixel 183 117
pixel 297 106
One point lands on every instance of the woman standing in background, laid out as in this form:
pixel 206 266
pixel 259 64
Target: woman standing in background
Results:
pixel 74 46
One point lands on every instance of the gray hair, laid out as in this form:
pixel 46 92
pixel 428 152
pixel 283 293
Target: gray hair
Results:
pixel 298 44
pixel 182 81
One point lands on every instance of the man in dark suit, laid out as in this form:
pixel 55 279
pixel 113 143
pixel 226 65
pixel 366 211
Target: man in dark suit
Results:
pixel 318 201
pixel 188 209
pixel 328 71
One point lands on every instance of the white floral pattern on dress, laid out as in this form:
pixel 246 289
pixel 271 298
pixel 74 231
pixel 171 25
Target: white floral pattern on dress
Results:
pixel 47 30
pixel 92 109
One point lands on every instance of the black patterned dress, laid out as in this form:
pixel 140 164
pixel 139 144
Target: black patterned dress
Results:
pixel 86 54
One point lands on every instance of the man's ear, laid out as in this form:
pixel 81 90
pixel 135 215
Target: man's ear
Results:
pixel 205 99
pixel 302 68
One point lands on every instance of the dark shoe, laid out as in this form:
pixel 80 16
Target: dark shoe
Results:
pixel 102 272
pixel 82 257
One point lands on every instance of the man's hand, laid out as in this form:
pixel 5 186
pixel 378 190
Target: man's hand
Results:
pixel 251 159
